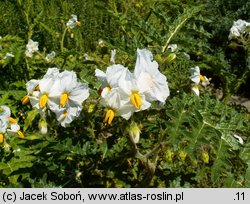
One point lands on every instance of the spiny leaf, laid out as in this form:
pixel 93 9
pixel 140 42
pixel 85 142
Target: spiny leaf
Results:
pixel 17 163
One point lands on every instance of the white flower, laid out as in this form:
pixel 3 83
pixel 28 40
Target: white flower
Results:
pixel 114 74
pixel 172 47
pixel 205 81
pixel 149 78
pixel 238 28
pixel 14 128
pixel 101 42
pixel 101 76
pixel 196 77
pixel 3 128
pixel 67 115
pixel 31 47
pixel 86 57
pixel 195 74
pixel 113 103
pixel 41 99
pixel 240 140
pixel 8 124
pixel 68 91
pixel 8 55
pixel 32 85
pixel 5 112
pixel 3 125
pixel 51 72
pixel 50 56
pixel 132 98
pixel 124 93
pixel 28 54
pixel 73 22
pixel 60 93
pixel 196 90
pixel 112 58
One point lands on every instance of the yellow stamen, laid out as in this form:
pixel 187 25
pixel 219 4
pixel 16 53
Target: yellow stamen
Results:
pixel 25 100
pixel 78 23
pixel 202 78
pixel 12 120
pixel 20 134
pixel 1 138
pixel 65 114
pixel 64 99
pixel 43 100
pixel 110 114
pixel 136 99
pixel 37 88
pixel 109 88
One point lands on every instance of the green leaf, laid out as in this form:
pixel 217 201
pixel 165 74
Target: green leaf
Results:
pixel 30 117
pixel 17 163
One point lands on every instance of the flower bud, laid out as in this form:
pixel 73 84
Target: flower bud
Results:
pixel 91 108
pixel 159 59
pixel 43 127
pixel 170 58
pixel 134 132
pixel 182 155
pixel 6 147
pixel 169 155
pixel 205 157
pixel 37 57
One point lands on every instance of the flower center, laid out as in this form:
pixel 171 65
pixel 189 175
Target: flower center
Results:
pixel 136 99
pixel 202 78
pixel 110 114
pixel 65 114
pixel 64 99
pixel 25 100
pixel 1 138
pixel 20 134
pixel 37 88
pixel 12 120
pixel 43 100
pixel 108 88
pixel 78 23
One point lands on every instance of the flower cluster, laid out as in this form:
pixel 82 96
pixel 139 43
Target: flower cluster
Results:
pixel 239 28
pixel 8 125
pixel 58 92
pixel 197 78
pixel 124 93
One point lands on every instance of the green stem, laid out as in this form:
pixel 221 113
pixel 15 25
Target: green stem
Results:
pixel 28 68
pixel 62 40
pixel 245 74
pixel 173 33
